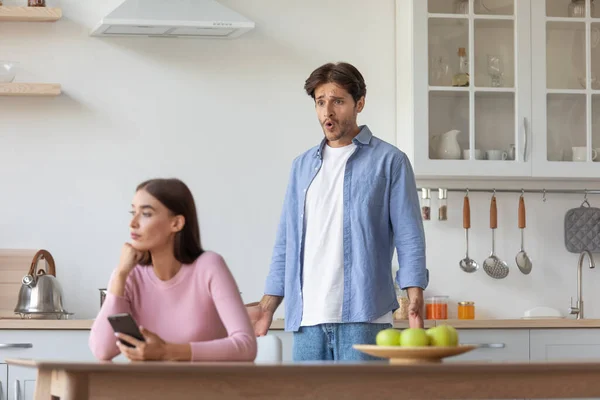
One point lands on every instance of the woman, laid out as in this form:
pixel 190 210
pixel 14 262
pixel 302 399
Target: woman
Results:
pixel 185 299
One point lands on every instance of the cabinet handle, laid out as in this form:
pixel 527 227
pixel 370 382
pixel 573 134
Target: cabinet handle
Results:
pixel 16 345
pixel 526 138
pixel 1 391
pixel 487 345
pixel 17 390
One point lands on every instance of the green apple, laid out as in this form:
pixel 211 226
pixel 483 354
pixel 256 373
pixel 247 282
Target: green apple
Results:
pixel 443 336
pixel 388 337
pixel 414 337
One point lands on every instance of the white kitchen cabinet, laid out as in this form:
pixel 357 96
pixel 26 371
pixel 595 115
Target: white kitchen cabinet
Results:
pixel 21 383
pixel 566 95
pixel 533 90
pixel 564 344
pixel 3 381
pixel 500 344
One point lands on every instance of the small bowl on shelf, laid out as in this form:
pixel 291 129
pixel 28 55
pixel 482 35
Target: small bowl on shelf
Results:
pixel 8 71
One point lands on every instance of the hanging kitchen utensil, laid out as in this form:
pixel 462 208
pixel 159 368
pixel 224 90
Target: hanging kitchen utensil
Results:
pixel 522 259
pixel 467 264
pixel 582 228
pixel 493 266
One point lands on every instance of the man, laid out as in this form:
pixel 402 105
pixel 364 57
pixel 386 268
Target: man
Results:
pixel 350 201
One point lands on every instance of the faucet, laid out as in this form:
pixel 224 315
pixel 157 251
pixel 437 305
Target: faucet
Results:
pixel 578 309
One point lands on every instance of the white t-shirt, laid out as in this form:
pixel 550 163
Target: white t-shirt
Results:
pixel 323 264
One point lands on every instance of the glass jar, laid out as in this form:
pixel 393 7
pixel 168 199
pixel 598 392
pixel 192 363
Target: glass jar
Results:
pixel 443 210
pixel 577 8
pixel 426 204
pixel 36 3
pixel 402 312
pixel 466 310
pixel 461 6
pixel 437 307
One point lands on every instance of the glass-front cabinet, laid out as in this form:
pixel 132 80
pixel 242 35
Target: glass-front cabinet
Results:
pixel 507 88
pixel 566 89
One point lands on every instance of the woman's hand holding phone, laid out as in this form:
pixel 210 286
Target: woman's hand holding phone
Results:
pixel 152 349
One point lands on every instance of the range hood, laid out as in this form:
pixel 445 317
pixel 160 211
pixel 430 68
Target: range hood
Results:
pixel 173 18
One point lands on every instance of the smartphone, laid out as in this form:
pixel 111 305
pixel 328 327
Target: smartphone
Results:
pixel 124 323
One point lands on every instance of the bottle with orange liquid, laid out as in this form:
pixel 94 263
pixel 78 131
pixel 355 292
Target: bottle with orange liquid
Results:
pixel 436 307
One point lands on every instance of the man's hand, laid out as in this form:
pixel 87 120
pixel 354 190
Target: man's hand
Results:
pixel 415 307
pixel 261 313
pixel 261 319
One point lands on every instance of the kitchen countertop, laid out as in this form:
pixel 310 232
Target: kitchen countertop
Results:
pixel 46 324
pixel 278 324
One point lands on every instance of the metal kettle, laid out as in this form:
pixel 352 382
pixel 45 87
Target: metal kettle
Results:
pixel 41 293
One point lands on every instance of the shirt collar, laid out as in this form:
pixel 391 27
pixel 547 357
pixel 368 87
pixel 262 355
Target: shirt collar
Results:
pixel 363 138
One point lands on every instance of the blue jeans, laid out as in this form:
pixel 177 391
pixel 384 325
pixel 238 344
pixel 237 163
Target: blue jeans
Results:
pixel 333 342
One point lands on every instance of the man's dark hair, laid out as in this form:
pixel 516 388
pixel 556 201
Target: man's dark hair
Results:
pixel 342 74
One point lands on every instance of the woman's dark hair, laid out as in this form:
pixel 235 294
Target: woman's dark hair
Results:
pixel 342 74
pixel 176 196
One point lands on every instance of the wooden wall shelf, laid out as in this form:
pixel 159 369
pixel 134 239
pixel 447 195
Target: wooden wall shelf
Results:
pixel 30 89
pixel 30 14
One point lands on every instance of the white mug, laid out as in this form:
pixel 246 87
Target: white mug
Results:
pixel 580 153
pixel 496 155
pixel 478 154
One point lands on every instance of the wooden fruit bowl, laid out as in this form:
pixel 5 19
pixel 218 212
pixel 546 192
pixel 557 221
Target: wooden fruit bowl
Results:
pixel 413 355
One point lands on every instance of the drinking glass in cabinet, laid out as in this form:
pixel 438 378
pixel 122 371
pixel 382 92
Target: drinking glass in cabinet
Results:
pixel 494 54
pixel 439 72
pixel 576 9
pixel 461 6
pixel 494 7
pixel 495 70
pixel 448 6
pixel 569 8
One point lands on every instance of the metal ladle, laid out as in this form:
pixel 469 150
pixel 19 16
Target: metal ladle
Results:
pixel 467 264
pixel 493 266
pixel 522 259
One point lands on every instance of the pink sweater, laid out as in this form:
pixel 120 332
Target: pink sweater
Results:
pixel 200 305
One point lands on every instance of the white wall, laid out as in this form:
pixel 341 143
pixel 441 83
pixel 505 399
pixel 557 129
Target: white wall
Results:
pixel 227 117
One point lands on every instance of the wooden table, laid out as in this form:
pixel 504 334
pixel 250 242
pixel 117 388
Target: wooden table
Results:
pixel 378 380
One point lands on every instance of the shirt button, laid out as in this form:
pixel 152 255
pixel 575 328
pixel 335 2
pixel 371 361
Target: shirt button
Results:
pixel 301 215
pixel 304 190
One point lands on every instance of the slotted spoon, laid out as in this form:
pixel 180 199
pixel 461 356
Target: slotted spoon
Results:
pixel 493 266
